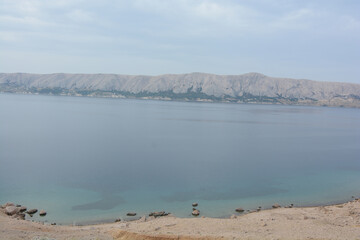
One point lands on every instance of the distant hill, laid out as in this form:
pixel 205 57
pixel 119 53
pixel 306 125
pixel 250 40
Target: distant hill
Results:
pixel 246 88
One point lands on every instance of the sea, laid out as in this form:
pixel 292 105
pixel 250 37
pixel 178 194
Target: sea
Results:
pixel 90 160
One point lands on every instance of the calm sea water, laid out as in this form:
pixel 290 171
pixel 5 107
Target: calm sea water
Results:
pixel 93 159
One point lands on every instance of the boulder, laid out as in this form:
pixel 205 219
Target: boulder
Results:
pixel 131 214
pixel 276 205
pixel 22 209
pixel 195 204
pixel 42 213
pixel 239 210
pixel 118 220
pixel 195 212
pixel 31 211
pixel 11 210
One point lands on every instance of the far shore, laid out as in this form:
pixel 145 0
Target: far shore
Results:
pixel 338 221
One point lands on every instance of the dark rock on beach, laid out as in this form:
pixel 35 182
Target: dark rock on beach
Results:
pixel 276 206
pixel 131 214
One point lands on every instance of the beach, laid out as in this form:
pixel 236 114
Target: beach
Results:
pixel 341 221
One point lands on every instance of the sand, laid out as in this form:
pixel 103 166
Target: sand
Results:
pixel 340 221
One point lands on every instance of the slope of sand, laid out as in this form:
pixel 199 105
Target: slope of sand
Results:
pixel 328 222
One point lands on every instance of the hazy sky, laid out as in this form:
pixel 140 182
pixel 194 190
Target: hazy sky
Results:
pixel 313 39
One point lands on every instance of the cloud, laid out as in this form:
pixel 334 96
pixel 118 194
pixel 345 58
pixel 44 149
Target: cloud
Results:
pixel 80 15
pixel 190 34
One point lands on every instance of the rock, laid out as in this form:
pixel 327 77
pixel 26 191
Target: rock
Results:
pixel 31 211
pixel 158 214
pixel 233 216
pixel 8 204
pixel 22 209
pixel 142 219
pixel 195 212
pixel 258 209
pixel 239 210
pixel 195 204
pixel 118 220
pixel 18 205
pixel 21 216
pixel 53 224
pixel 276 206
pixel 42 213
pixel 11 210
pixel 131 214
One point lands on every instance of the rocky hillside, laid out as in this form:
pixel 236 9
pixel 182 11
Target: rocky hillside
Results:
pixel 246 88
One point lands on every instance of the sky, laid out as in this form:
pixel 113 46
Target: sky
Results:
pixel 307 39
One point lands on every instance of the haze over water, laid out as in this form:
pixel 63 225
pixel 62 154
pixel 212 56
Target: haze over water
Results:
pixel 94 159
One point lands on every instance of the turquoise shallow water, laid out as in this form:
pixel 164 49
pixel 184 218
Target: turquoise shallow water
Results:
pixel 93 159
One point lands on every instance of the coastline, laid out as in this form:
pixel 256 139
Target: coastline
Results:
pixel 198 100
pixel 339 221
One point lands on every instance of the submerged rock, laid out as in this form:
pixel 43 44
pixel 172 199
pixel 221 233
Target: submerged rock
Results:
pixel 239 210
pixel 131 214
pixel 195 212
pixel 195 204
pixel 42 213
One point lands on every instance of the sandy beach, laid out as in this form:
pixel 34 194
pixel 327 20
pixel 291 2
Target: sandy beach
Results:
pixel 340 221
